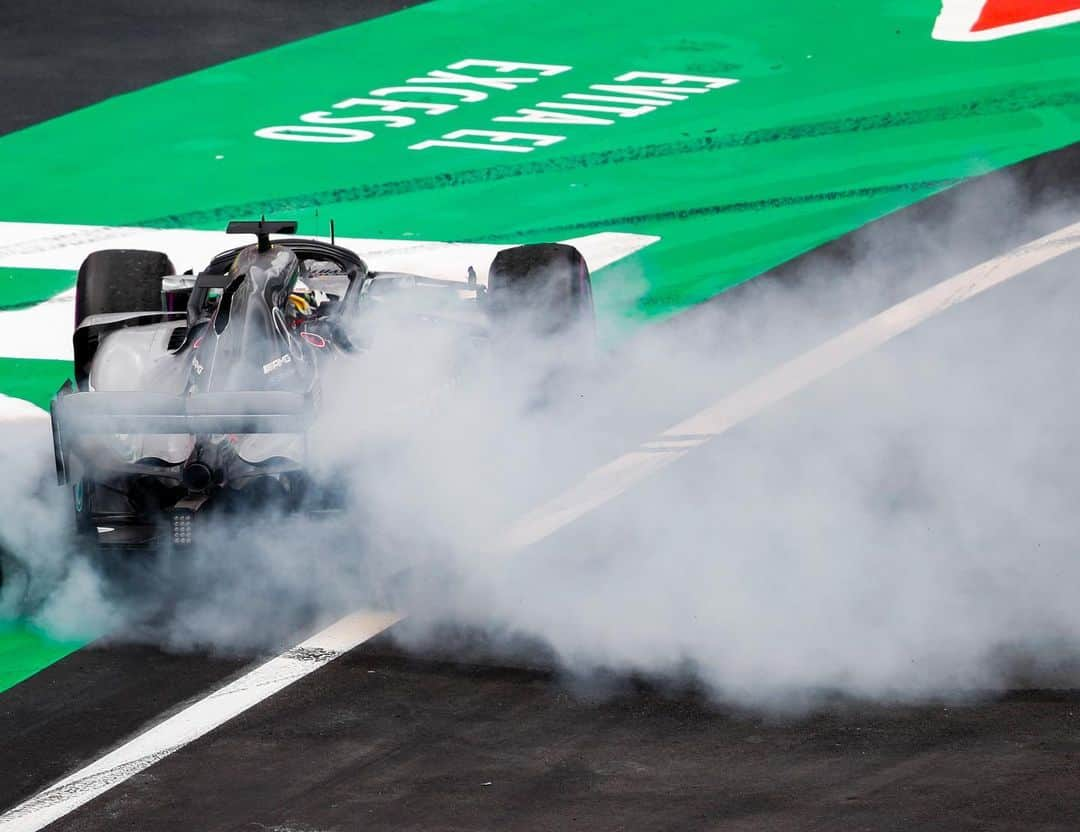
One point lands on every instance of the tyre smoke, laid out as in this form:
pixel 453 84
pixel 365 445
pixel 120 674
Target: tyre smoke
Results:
pixel 903 529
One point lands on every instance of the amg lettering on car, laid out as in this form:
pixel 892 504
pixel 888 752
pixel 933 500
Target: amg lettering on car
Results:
pixel 329 127
pixel 621 100
pixel 276 363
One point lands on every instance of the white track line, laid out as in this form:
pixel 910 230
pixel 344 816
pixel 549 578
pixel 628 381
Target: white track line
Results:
pixel 33 245
pixel 608 482
pixel 194 721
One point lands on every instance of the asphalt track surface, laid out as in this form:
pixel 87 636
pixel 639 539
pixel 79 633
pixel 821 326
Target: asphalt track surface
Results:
pixel 466 740
pixel 123 46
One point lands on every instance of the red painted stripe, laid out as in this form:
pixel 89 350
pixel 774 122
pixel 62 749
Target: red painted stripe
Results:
pixel 998 13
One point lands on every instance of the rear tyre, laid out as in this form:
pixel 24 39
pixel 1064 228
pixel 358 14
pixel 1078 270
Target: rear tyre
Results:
pixel 544 287
pixel 120 280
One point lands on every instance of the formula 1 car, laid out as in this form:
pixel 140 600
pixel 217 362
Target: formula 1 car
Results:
pixel 193 393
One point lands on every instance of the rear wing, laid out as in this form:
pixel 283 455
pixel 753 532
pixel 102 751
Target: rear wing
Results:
pixel 262 230
pixel 80 413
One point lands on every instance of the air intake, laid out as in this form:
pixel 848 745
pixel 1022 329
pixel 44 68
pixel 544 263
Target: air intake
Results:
pixel 176 338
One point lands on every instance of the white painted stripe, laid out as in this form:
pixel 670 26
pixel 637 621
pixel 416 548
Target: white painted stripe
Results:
pixel 40 331
pixel 605 247
pixel 609 481
pixel 57 246
pixel 44 330
pixel 195 721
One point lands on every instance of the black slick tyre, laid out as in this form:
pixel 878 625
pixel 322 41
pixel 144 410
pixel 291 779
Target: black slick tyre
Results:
pixel 120 280
pixel 543 286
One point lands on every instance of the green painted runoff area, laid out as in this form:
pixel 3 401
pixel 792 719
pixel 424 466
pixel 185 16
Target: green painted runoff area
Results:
pixel 839 114
pixel 25 287
pixel 24 650
pixel 33 379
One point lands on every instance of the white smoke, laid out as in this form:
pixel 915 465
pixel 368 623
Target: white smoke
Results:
pixel 903 529
pixel 43 579
pixel 900 530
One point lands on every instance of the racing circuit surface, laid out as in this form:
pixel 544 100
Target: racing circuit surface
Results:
pixel 464 739
pixel 465 733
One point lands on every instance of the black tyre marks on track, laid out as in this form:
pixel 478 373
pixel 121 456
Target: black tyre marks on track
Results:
pixel 376 741
pixel 1020 99
pixel 75 710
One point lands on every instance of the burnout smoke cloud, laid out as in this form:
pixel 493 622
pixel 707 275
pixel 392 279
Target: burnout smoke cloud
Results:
pixel 902 529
